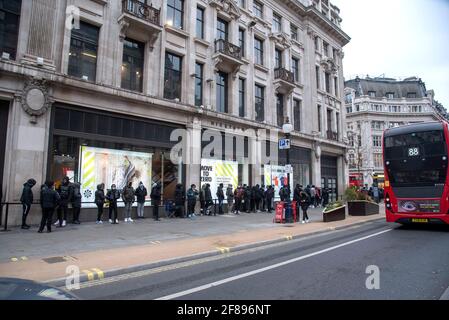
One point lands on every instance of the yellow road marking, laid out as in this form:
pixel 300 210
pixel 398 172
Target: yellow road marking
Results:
pixel 14 259
pixel 99 273
pixel 23 258
pixel 90 274
pixel 288 237
pixel 224 249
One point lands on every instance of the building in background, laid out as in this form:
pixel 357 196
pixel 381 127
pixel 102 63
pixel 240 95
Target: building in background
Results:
pixel 98 98
pixel 376 104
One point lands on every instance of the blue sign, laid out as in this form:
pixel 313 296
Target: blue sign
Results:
pixel 284 144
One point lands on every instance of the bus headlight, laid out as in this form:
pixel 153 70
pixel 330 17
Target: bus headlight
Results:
pixel 388 202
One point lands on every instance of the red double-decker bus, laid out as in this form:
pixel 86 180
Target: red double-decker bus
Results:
pixel 416 173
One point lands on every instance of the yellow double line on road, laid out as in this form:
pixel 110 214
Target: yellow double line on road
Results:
pixel 91 274
pixel 224 249
pixel 15 259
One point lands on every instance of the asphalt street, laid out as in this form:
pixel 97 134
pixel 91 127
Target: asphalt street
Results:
pixel 413 263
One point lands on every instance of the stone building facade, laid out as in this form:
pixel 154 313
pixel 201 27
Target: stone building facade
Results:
pixel 376 104
pixel 97 81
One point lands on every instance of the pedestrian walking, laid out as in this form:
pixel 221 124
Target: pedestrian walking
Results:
pixel 297 199
pixel 230 198
pixel 305 203
pixel 192 195
pixel 99 201
pixel 76 202
pixel 156 200
pixel 112 196
pixel 65 191
pixel 220 197
pixel 128 197
pixel 180 199
pixel 49 201
pixel 27 200
pixel 141 193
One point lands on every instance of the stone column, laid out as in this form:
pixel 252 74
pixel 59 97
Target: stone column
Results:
pixel 193 152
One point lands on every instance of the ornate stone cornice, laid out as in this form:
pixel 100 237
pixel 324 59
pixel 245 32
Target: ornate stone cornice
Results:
pixel 281 39
pixel 329 65
pixel 35 98
pixel 227 6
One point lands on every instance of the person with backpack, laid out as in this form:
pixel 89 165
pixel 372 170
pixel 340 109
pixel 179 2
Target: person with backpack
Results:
pixel 305 203
pixel 220 197
pixel 112 196
pixel 209 200
pixel 156 200
pixel 49 201
pixel 27 200
pixel 65 192
pixel 238 195
pixel 99 201
pixel 76 202
pixel 141 193
pixel 230 198
pixel 128 197
pixel 192 195
pixel 180 198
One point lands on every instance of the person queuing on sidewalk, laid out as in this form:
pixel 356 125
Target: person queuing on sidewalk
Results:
pixel 128 197
pixel 270 197
pixel 65 192
pixel 141 193
pixel 253 198
pixel 203 199
pixel 284 193
pixel 325 196
pixel 220 197
pixel 305 203
pixel 263 201
pixel 297 198
pixel 76 202
pixel 192 195
pixel 248 197
pixel 209 200
pixel 259 198
pixel 49 201
pixel 180 199
pixel 99 201
pixel 230 198
pixel 112 196
pixel 156 200
pixel 238 195
pixel 27 200
pixel 312 196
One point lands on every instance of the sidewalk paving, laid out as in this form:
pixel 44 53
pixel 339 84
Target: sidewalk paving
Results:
pixel 44 257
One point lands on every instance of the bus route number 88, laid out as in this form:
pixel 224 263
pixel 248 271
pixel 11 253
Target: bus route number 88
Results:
pixel 413 152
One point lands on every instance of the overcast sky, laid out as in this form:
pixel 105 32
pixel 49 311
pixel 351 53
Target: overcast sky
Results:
pixel 398 38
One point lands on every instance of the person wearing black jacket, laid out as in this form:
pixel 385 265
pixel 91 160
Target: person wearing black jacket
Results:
pixel 141 193
pixel 27 200
pixel 305 201
pixel 258 195
pixel 180 198
pixel 76 202
pixel 248 197
pixel 209 199
pixel 65 192
pixel 156 200
pixel 112 196
pixel 297 199
pixel 49 201
pixel 99 201
pixel 269 195
pixel 220 197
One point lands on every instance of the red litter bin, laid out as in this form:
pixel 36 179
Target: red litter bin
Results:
pixel 279 214
pixel 294 211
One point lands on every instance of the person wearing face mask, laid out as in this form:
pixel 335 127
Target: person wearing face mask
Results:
pixel 99 201
pixel 141 192
pixel 27 199
pixel 113 195
pixel 128 198
pixel 156 200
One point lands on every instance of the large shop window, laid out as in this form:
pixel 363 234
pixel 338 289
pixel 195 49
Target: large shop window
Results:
pixel 83 52
pixel 132 66
pixel 99 148
pixel 9 26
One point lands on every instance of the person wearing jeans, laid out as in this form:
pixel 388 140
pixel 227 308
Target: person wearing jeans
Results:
pixel 141 192
pixel 128 197
pixel 112 196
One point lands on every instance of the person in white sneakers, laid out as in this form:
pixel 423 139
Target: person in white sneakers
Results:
pixel 112 196
pixel 305 202
pixel 128 197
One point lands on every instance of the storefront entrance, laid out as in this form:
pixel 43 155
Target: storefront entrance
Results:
pixel 4 109
pixel 329 176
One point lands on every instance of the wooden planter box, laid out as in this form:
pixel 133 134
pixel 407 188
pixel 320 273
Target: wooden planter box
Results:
pixel 362 208
pixel 336 214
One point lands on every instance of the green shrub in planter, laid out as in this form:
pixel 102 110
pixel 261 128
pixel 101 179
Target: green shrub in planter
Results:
pixel 333 205
pixel 335 211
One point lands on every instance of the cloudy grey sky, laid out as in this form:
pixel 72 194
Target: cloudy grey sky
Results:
pixel 398 38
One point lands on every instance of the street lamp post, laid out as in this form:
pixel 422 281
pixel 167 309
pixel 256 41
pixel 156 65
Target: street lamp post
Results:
pixel 287 128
